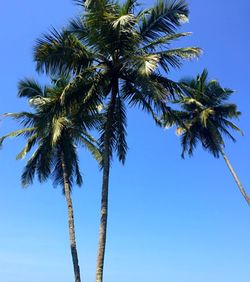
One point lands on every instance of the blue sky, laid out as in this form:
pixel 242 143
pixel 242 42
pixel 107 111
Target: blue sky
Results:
pixel 170 219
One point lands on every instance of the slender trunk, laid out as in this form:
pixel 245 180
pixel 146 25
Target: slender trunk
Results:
pixel 242 190
pixel 103 222
pixel 71 223
pixel 105 185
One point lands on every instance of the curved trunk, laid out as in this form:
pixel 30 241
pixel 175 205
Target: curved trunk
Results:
pixel 242 190
pixel 71 223
pixel 105 185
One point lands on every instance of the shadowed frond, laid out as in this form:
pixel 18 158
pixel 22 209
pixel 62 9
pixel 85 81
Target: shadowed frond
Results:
pixel 91 144
pixel 29 88
pixel 206 114
pixel 60 52
pixel 120 130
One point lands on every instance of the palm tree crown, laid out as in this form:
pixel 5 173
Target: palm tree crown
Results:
pixel 55 133
pixel 205 117
pixel 52 130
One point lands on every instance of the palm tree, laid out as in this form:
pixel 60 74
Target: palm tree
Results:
pixel 117 53
pixel 56 134
pixel 206 117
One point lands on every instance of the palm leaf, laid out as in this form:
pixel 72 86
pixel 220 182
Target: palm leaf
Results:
pixel 30 143
pixel 165 40
pixel 25 132
pixel 60 52
pixel 29 88
pixel 163 18
pixel 120 128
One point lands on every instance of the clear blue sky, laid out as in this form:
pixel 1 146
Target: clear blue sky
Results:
pixel 170 220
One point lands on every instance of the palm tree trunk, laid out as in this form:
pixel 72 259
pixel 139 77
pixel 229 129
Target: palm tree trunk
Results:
pixel 71 223
pixel 105 184
pixel 103 222
pixel 242 190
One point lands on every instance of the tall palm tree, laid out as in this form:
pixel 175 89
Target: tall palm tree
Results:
pixel 119 53
pixel 55 133
pixel 206 117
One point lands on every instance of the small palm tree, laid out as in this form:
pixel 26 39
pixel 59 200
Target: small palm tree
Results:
pixel 118 53
pixel 55 134
pixel 206 117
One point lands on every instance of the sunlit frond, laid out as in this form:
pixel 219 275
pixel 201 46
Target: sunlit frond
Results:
pixel 24 132
pixel 167 39
pixel 30 143
pixel 146 64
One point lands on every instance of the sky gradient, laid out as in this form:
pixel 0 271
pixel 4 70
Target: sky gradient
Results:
pixel 170 220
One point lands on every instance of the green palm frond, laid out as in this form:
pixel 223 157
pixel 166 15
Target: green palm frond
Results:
pixel 146 64
pixel 107 131
pixel 167 39
pixel 205 115
pixel 30 169
pixel 29 88
pixel 24 118
pixel 163 18
pixel 78 175
pixel 120 130
pixel 124 22
pixel 232 126
pixel 174 57
pixel 60 52
pixel 90 143
pixel 24 131
pixel 77 27
pixel 184 53
pixel 58 124
pixel 30 143
pixel 128 7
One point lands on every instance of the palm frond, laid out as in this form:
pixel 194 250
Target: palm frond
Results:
pixel 232 126
pixel 128 7
pixel 60 52
pixel 173 57
pixel 124 22
pixel 29 88
pixel 136 98
pixel 58 124
pixel 30 169
pixel 30 143
pixel 163 18
pixel 146 64
pixel 167 39
pixel 91 144
pixel 107 131
pixel 120 128
pixel 24 118
pixel 19 132
pixel 205 115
